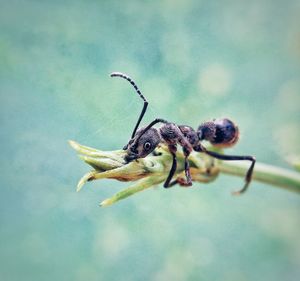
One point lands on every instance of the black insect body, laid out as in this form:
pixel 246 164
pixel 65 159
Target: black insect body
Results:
pixel 219 132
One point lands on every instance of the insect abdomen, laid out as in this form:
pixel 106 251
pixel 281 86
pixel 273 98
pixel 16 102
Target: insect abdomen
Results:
pixel 219 132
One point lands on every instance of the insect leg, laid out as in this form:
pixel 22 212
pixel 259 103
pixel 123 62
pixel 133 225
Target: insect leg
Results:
pixel 182 181
pixel 187 171
pixel 172 149
pixel 155 121
pixel 234 158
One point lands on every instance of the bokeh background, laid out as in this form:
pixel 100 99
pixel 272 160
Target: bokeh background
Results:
pixel 193 60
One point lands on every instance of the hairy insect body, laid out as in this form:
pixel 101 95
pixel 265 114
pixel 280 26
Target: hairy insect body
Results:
pixel 142 144
pixel 219 132
pixel 172 135
pixel 190 134
pixel 146 140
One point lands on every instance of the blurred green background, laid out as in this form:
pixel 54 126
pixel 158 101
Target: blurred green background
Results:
pixel 193 60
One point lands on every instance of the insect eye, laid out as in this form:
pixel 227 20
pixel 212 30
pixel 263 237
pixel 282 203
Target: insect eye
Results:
pixel 147 145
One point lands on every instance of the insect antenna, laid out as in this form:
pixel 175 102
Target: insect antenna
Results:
pixel 124 76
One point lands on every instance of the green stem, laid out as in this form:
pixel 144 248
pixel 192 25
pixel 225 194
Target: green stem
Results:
pixel 137 187
pixel 286 179
pixel 153 170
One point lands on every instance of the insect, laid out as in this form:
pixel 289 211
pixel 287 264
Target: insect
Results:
pixel 219 132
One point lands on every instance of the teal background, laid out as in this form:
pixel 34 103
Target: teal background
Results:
pixel 193 60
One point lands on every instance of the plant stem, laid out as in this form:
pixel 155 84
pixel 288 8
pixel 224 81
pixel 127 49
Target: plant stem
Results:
pixel 153 170
pixel 272 175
